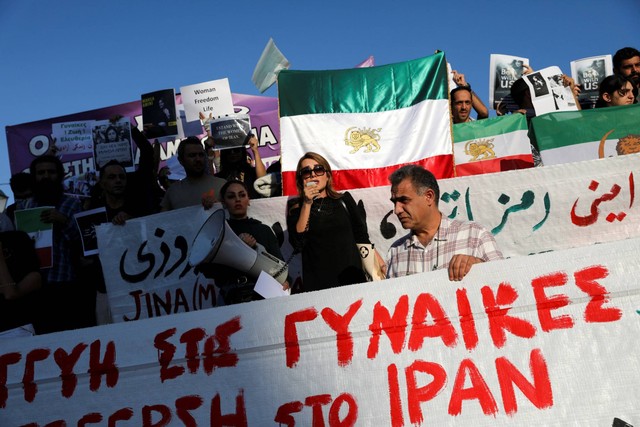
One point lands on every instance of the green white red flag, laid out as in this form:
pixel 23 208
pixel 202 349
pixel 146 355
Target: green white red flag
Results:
pixel 573 136
pixel 491 145
pixel 367 121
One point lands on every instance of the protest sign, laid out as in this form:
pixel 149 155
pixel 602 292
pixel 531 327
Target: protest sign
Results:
pixel 548 93
pixel 112 141
pixel 230 131
pixel 503 71
pixel 159 116
pixel 86 222
pixel 73 137
pixel 543 340
pixel 208 99
pixel 588 73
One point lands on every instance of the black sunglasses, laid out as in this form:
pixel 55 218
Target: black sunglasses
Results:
pixel 305 172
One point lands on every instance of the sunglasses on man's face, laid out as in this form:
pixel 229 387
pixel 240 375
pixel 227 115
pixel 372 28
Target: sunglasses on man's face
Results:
pixel 318 170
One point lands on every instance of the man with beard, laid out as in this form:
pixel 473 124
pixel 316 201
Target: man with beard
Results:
pixel 626 62
pixel 463 99
pixel 198 187
pixel 63 295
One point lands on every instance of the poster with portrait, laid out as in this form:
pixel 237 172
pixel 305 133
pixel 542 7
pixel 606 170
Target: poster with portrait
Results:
pixel 112 141
pixel 86 222
pixel 548 92
pixel 588 73
pixel 159 116
pixel 503 71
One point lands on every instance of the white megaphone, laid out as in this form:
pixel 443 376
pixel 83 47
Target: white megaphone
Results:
pixel 217 243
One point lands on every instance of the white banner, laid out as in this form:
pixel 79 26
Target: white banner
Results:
pixel 528 211
pixel 550 339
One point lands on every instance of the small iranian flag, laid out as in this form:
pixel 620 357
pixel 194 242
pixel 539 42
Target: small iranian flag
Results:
pixel 28 220
pixel 367 121
pixel 491 145
pixel 573 136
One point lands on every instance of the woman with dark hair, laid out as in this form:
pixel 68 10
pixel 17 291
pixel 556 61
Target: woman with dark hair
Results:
pixel 111 134
pixel 616 90
pixel 235 287
pixel 324 225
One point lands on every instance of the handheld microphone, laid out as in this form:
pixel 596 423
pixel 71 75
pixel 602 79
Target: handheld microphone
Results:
pixel 312 184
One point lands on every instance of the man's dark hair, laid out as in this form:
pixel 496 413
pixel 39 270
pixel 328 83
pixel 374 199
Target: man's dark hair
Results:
pixel 47 158
pixel 21 182
pixel 110 163
pixel 420 178
pixel 622 55
pixel 192 140
pixel 518 91
pixel 458 89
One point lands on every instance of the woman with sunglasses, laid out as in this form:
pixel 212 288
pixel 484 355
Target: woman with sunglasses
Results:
pixel 616 90
pixel 323 230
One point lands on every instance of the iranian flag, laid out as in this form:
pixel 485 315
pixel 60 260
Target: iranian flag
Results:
pixel 28 220
pixel 573 136
pixel 492 145
pixel 367 121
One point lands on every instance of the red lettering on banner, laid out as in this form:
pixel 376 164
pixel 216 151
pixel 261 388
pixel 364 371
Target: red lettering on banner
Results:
pixel 394 326
pixel 479 390
pixel 28 383
pixel 283 416
pixel 441 327
pixel 106 367
pixel 351 415
pixel 92 418
pixel 162 410
pixel 221 356
pixel 123 414
pixel 545 304
pixel 165 356
pixel 416 395
pixel 340 324
pixel 291 333
pixel 186 404
pixel 5 360
pixel 539 393
pixel 467 322
pixel 237 419
pixel 499 320
pixel 586 281
pixel 66 362
pixel 316 403
pixel 214 356
pixel 395 401
pixel 191 338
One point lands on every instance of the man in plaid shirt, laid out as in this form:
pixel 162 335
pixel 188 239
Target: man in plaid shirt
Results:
pixel 434 242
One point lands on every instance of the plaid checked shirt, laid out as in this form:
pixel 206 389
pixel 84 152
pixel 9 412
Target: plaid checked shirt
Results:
pixel 408 256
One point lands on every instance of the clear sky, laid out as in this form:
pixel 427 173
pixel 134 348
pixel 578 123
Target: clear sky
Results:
pixel 68 56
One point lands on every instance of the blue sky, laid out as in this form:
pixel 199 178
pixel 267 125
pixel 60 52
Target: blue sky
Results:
pixel 67 56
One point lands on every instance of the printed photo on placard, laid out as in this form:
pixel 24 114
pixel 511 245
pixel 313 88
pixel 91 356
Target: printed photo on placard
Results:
pixel 112 141
pixel 86 222
pixel 159 113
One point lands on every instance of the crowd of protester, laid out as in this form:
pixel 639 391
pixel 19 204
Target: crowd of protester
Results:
pixel 323 224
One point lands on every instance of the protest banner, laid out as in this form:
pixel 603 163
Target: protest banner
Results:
pixel 528 211
pixel 549 339
pixel 29 140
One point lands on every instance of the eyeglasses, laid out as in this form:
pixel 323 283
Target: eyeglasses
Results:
pixel 305 172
